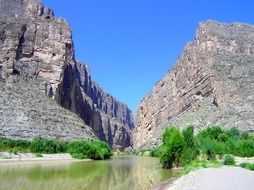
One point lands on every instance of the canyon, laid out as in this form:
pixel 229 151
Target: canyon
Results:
pixel 46 91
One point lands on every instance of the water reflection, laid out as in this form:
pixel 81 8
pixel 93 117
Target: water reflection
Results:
pixel 119 173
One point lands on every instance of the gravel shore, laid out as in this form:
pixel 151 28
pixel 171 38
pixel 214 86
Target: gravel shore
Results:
pixel 233 178
pixel 6 157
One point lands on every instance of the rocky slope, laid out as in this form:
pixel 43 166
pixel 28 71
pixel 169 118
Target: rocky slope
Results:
pixel 37 46
pixel 211 83
pixel 26 113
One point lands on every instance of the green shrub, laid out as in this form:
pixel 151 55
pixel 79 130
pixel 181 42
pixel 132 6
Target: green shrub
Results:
pixel 96 150
pixel 213 132
pixel 207 147
pixel 223 137
pixel 245 148
pixel 186 156
pixel 246 136
pixel 249 166
pixel 188 136
pixel 182 148
pixel 40 145
pixel 244 165
pixel 229 160
pixel 20 145
pixel 78 149
pixel 78 155
pixel 13 151
pixel 103 148
pixel 231 147
pixel 146 153
pixel 39 155
pixel 234 133
pixel 172 148
pixel 155 152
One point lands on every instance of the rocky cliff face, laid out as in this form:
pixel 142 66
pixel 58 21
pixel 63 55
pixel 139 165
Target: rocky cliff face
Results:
pixel 111 120
pixel 23 8
pixel 211 83
pixel 33 43
pixel 32 54
pixel 37 46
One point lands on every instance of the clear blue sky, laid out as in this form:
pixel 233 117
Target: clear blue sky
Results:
pixel 130 44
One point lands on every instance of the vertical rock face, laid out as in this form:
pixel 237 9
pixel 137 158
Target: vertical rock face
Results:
pixel 37 46
pixel 23 8
pixel 111 120
pixel 33 46
pixel 33 43
pixel 211 83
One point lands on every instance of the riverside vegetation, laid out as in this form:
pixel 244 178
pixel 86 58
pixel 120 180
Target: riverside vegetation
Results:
pixel 96 150
pixel 184 149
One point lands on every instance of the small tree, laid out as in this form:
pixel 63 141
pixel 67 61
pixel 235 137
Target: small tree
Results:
pixel 172 148
pixel 188 135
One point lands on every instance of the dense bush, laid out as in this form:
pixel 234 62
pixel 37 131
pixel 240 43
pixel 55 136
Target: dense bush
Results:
pixel 182 148
pixel 96 150
pixel 215 141
pixel 233 133
pixel 40 145
pixel 229 160
pixel 249 166
pixel 188 155
pixel 211 147
pixel 155 152
pixel 18 145
pixel 245 148
pixel 103 148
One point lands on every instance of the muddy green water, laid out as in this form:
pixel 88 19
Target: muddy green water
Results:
pixel 119 173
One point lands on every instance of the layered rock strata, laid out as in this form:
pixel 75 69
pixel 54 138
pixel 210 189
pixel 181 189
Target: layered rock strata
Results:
pixel 32 54
pixel 211 83
pixel 38 47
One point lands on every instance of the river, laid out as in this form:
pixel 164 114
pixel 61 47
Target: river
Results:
pixel 118 173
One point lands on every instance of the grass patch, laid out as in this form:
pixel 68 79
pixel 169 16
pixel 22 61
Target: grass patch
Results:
pixel 197 164
pixel 146 153
pixel 38 155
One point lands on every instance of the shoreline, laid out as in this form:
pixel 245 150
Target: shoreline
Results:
pixel 211 178
pixel 194 179
pixel 23 158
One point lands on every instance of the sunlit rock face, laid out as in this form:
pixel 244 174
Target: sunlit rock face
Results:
pixel 38 47
pixel 23 8
pixel 33 52
pixel 33 43
pixel 211 83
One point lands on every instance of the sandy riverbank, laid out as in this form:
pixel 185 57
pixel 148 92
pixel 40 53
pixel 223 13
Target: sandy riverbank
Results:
pixel 222 178
pixel 6 157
